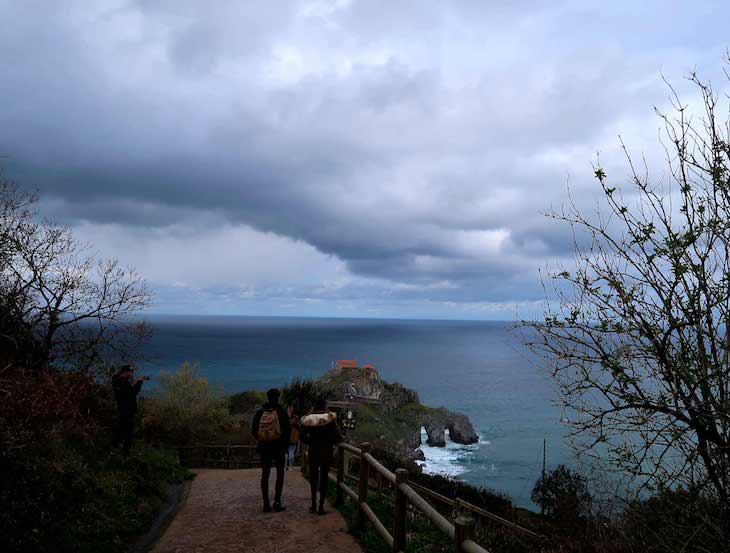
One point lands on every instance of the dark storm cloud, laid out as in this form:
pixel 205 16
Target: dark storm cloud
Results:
pixel 419 148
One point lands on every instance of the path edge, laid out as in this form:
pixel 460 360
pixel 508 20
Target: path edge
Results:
pixel 177 496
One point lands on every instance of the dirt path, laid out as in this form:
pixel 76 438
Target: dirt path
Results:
pixel 223 514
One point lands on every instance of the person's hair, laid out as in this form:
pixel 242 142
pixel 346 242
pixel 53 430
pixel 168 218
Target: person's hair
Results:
pixel 126 369
pixel 273 395
pixel 320 403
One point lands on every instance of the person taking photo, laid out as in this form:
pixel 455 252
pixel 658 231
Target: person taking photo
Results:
pixel 126 390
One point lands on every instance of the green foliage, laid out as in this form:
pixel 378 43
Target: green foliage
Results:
pixel 302 394
pixel 185 409
pixel 62 497
pixel 562 494
pixel 381 428
pixel 245 403
pixel 665 521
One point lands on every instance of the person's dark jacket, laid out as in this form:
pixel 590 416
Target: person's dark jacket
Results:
pixel 320 432
pixel 126 395
pixel 284 425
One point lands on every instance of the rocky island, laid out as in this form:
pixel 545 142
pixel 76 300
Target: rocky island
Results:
pixel 391 416
pixel 388 415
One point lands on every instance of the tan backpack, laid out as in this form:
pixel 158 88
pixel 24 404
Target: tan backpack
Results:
pixel 269 428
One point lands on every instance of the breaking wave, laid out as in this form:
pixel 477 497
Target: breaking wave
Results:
pixel 452 460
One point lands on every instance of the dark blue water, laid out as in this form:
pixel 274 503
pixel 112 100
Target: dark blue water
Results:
pixel 479 368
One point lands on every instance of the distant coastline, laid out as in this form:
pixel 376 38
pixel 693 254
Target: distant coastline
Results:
pixel 476 367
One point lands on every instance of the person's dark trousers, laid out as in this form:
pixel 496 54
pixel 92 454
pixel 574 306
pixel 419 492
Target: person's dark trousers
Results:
pixel 318 480
pixel 277 459
pixel 124 432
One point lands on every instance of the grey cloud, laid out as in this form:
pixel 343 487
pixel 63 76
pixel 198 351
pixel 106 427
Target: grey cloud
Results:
pixel 391 146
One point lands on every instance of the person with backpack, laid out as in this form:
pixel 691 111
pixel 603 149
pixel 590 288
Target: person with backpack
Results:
pixel 272 430
pixel 321 433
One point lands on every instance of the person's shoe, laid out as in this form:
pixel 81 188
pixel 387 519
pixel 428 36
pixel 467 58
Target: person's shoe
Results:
pixel 321 511
pixel 313 509
pixel 278 507
pixel 267 508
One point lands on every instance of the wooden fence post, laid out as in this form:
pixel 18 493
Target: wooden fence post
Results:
pixel 340 474
pixel 463 530
pixel 400 512
pixel 362 489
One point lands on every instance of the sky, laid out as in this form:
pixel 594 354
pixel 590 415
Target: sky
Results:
pixel 338 158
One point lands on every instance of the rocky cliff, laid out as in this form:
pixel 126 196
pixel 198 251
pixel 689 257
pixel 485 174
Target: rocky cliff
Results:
pixel 392 415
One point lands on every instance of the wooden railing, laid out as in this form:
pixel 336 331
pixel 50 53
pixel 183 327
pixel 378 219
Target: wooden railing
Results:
pixel 219 456
pixel 461 531
pixel 406 494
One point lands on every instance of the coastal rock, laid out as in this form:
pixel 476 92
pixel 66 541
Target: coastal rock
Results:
pixel 364 382
pixel 436 432
pixel 396 396
pixel 391 416
pixel 461 430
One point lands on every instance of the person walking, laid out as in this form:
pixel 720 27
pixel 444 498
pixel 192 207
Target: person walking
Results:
pixel 272 430
pixel 293 438
pixel 125 394
pixel 321 433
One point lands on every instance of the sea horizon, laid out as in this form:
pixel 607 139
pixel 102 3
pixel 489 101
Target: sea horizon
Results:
pixel 478 368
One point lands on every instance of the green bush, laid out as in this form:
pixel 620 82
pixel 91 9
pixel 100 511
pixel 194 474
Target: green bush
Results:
pixel 563 495
pixel 63 497
pixel 302 394
pixel 185 409
pixel 246 403
pixel 675 520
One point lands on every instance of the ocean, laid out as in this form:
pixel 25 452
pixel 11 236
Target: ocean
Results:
pixel 478 368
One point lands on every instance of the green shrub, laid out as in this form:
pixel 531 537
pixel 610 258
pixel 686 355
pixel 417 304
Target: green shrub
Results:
pixel 185 409
pixel 63 497
pixel 675 520
pixel 246 403
pixel 302 394
pixel 563 495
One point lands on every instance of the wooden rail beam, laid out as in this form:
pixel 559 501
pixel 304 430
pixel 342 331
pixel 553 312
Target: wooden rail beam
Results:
pixel 368 512
pixel 380 469
pixel 340 474
pixel 362 489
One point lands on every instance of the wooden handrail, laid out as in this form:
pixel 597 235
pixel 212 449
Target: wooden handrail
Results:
pixel 373 462
pixel 469 546
pixel 350 448
pixel 378 525
pixel 460 532
pixel 477 510
pixel 218 455
pixel 427 509
pixel 210 446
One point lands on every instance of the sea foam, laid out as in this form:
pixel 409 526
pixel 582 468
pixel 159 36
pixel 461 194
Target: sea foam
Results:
pixel 451 460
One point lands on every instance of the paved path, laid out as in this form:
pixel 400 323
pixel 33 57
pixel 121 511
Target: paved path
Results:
pixel 223 514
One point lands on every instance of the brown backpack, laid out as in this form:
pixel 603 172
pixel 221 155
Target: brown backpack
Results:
pixel 269 428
